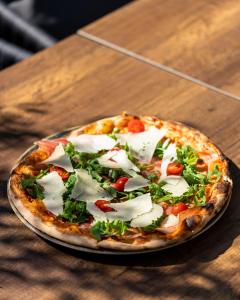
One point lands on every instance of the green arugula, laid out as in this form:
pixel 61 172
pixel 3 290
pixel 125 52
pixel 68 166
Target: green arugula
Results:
pixel 75 211
pixel 29 184
pixel 154 224
pixel 113 134
pixel 160 149
pixel 187 156
pixel 214 173
pixel 192 177
pixel 109 228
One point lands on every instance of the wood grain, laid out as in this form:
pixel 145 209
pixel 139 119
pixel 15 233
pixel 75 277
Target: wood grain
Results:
pixel 75 82
pixel 199 38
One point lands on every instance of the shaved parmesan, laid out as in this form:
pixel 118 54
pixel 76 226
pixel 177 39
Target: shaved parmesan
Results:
pixel 169 155
pixel 87 189
pixel 59 158
pixel 92 143
pixel 148 218
pixel 97 213
pixel 130 209
pixel 143 144
pixel 117 159
pixel 135 183
pixel 176 185
pixel 53 190
pixel 170 221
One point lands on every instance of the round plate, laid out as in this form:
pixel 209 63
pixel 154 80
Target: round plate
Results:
pixel 102 250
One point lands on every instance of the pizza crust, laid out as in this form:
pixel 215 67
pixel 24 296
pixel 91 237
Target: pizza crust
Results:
pixel 220 196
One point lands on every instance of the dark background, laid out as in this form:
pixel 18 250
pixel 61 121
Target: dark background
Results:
pixel 27 26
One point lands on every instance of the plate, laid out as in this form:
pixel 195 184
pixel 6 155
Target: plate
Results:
pixel 100 251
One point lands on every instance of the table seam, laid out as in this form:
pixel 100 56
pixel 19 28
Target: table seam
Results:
pixel 155 64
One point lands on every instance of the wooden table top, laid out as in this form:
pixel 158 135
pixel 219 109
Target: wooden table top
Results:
pixel 75 82
pixel 199 38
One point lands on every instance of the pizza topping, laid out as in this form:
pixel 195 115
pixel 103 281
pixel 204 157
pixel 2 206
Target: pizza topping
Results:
pixel 49 145
pixel 86 188
pixel 176 185
pixel 135 183
pixel 201 166
pixel 128 210
pixel 102 204
pixel 102 229
pixel 170 221
pixel 177 208
pixel 143 144
pixel 53 189
pixel 92 143
pixel 148 218
pixel 59 158
pixel 169 155
pixel 118 159
pixel 120 184
pixel 174 168
pixel 61 172
pixel 135 126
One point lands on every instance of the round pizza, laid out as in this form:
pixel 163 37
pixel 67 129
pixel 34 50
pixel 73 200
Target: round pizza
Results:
pixel 123 183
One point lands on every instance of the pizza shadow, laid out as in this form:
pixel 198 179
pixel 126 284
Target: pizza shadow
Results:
pixel 205 247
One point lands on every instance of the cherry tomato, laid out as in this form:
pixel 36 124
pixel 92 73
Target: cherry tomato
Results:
pixel 174 169
pixel 102 204
pixel 177 208
pixel 119 184
pixel 201 166
pixel 61 172
pixel 135 125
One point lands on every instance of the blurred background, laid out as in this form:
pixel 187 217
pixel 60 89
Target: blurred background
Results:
pixel 28 26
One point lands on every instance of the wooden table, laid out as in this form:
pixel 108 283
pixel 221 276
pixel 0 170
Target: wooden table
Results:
pixel 77 81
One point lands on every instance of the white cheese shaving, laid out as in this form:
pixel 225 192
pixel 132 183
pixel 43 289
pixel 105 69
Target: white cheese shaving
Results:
pixel 148 218
pixel 96 212
pixel 169 155
pixel 59 158
pixel 53 190
pixel 116 159
pixel 176 185
pixel 87 189
pixel 130 209
pixel 135 183
pixel 92 143
pixel 170 221
pixel 143 144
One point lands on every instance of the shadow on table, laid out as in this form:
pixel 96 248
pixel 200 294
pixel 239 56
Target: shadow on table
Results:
pixel 206 247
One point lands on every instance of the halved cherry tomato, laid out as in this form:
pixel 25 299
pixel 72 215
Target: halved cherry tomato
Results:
pixel 102 204
pixel 61 172
pixel 135 125
pixel 119 184
pixel 201 166
pixel 174 168
pixel 177 208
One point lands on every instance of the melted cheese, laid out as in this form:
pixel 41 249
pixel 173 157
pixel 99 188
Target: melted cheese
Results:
pixel 92 143
pixel 117 159
pixel 143 144
pixel 135 183
pixel 60 159
pixel 170 221
pixel 176 185
pixel 53 190
pixel 148 218
pixel 86 188
pixel 130 209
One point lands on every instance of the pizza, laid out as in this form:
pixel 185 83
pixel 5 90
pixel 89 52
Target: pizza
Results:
pixel 123 183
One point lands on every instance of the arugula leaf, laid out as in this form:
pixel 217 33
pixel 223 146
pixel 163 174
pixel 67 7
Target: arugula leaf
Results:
pixel 214 173
pixel 113 134
pixel 156 191
pixel 69 184
pixel 200 198
pixel 187 156
pixel 192 177
pixel 160 149
pixel 154 224
pixel 29 184
pixel 109 228
pixel 75 211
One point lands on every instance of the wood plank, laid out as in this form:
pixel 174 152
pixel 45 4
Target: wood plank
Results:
pixel 72 83
pixel 199 38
